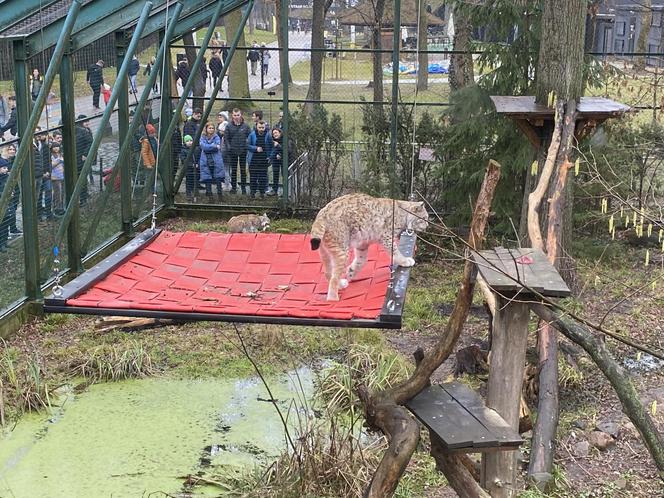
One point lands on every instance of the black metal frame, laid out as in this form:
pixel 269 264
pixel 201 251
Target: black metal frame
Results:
pixel 390 316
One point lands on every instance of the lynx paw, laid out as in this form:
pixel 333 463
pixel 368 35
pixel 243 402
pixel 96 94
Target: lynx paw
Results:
pixel 408 262
pixel 343 283
pixel 332 296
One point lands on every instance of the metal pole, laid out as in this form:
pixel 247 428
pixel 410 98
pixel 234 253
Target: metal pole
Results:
pixel 123 160
pixel 123 137
pixel 69 154
pixel 25 146
pixel 283 59
pixel 215 90
pixel 28 197
pixel 396 45
pixel 122 74
pixel 165 147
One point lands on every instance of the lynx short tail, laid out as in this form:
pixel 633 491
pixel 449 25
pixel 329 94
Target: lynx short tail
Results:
pixel 317 232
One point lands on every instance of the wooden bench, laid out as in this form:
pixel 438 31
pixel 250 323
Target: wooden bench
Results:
pixel 459 417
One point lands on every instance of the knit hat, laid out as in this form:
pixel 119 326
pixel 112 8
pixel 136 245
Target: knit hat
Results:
pixel 187 138
pixel 151 129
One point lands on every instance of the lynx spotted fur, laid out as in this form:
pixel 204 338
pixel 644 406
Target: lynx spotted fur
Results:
pixel 248 223
pixel 357 221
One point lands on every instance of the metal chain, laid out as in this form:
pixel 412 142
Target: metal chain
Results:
pixel 57 288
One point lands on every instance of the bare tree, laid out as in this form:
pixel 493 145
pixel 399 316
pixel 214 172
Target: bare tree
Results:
pixel 642 40
pixel 422 56
pixel 280 41
pixel 238 79
pixel 199 79
pixel 461 64
pixel 320 9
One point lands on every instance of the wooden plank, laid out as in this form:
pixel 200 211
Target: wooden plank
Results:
pixel 498 265
pixel 100 270
pixel 441 413
pixel 492 422
pixel 524 107
pixel 395 296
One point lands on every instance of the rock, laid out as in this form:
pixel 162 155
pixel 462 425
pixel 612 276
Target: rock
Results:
pixel 601 440
pixel 620 483
pixel 610 428
pixel 580 424
pixel 581 449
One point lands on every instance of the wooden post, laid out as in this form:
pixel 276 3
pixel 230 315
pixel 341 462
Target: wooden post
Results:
pixel 508 356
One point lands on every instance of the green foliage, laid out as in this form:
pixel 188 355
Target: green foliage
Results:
pixel 113 363
pixel 318 137
pixel 23 385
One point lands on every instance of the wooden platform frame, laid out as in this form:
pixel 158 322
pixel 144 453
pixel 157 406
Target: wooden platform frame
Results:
pixel 532 118
pixel 389 318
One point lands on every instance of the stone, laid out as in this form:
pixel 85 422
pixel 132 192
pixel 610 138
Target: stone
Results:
pixel 620 483
pixel 601 440
pixel 581 449
pixel 580 424
pixel 610 428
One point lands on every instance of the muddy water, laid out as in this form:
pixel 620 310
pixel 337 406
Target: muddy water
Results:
pixel 138 437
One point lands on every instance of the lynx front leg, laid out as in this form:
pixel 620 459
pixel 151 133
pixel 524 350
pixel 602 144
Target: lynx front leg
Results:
pixel 398 258
pixel 358 262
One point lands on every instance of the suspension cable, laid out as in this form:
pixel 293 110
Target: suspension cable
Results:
pixel 411 196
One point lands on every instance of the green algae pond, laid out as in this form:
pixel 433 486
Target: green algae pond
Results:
pixel 143 437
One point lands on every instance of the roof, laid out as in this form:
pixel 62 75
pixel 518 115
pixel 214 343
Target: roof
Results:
pixel 589 107
pixel 363 15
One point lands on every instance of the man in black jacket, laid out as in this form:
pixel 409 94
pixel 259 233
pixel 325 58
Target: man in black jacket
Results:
pixel 95 79
pixel 134 68
pixel 11 123
pixel 42 174
pixel 235 140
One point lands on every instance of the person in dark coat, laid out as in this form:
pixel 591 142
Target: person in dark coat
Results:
pixel 182 73
pixel 36 83
pixel 211 163
pixel 42 174
pixel 95 79
pixel 83 144
pixel 277 158
pixel 134 68
pixel 235 139
pixel 259 145
pixel 253 57
pixel 148 69
pixel 12 123
pixel 192 124
pixel 6 158
pixel 215 68
pixel 190 165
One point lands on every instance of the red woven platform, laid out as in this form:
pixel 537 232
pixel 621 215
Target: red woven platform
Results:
pixel 239 274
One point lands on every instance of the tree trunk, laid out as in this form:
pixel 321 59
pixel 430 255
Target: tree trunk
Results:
pixel 559 71
pixel 642 40
pixel 379 10
pixel 238 78
pixel 199 81
pixel 280 41
pixel 619 379
pixel 560 66
pixel 317 41
pixel 461 65
pixel 381 408
pixel 422 56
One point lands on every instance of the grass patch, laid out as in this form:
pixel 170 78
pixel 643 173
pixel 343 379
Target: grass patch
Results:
pixel 113 363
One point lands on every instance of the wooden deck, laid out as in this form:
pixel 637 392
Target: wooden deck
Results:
pixel 459 417
pixel 589 108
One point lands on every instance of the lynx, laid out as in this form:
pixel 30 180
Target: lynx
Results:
pixel 248 223
pixel 357 221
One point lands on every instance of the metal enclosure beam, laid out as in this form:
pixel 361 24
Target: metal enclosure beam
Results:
pixel 215 91
pixel 396 45
pixel 14 11
pixel 28 197
pixel 283 59
pixel 69 151
pixel 123 160
pixel 25 146
pixel 123 136
pixel 122 74
pixel 165 145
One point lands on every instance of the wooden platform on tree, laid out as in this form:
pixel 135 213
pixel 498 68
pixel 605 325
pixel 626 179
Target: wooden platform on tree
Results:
pixel 506 271
pixel 459 417
pixel 589 108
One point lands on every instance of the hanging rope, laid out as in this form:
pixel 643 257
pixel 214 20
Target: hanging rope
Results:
pixel 412 196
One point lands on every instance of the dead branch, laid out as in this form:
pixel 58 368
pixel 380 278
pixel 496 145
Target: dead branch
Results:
pixel 616 375
pixel 382 409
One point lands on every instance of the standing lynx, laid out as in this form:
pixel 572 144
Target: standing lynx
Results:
pixel 357 221
pixel 248 223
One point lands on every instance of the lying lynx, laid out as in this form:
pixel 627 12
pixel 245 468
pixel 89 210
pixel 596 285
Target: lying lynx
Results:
pixel 248 223
pixel 357 221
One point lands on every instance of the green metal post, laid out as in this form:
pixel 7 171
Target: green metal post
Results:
pixel 26 145
pixel 28 195
pixel 195 72
pixel 121 43
pixel 123 154
pixel 69 153
pixel 87 165
pixel 283 59
pixel 215 90
pixel 165 146
pixel 396 41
